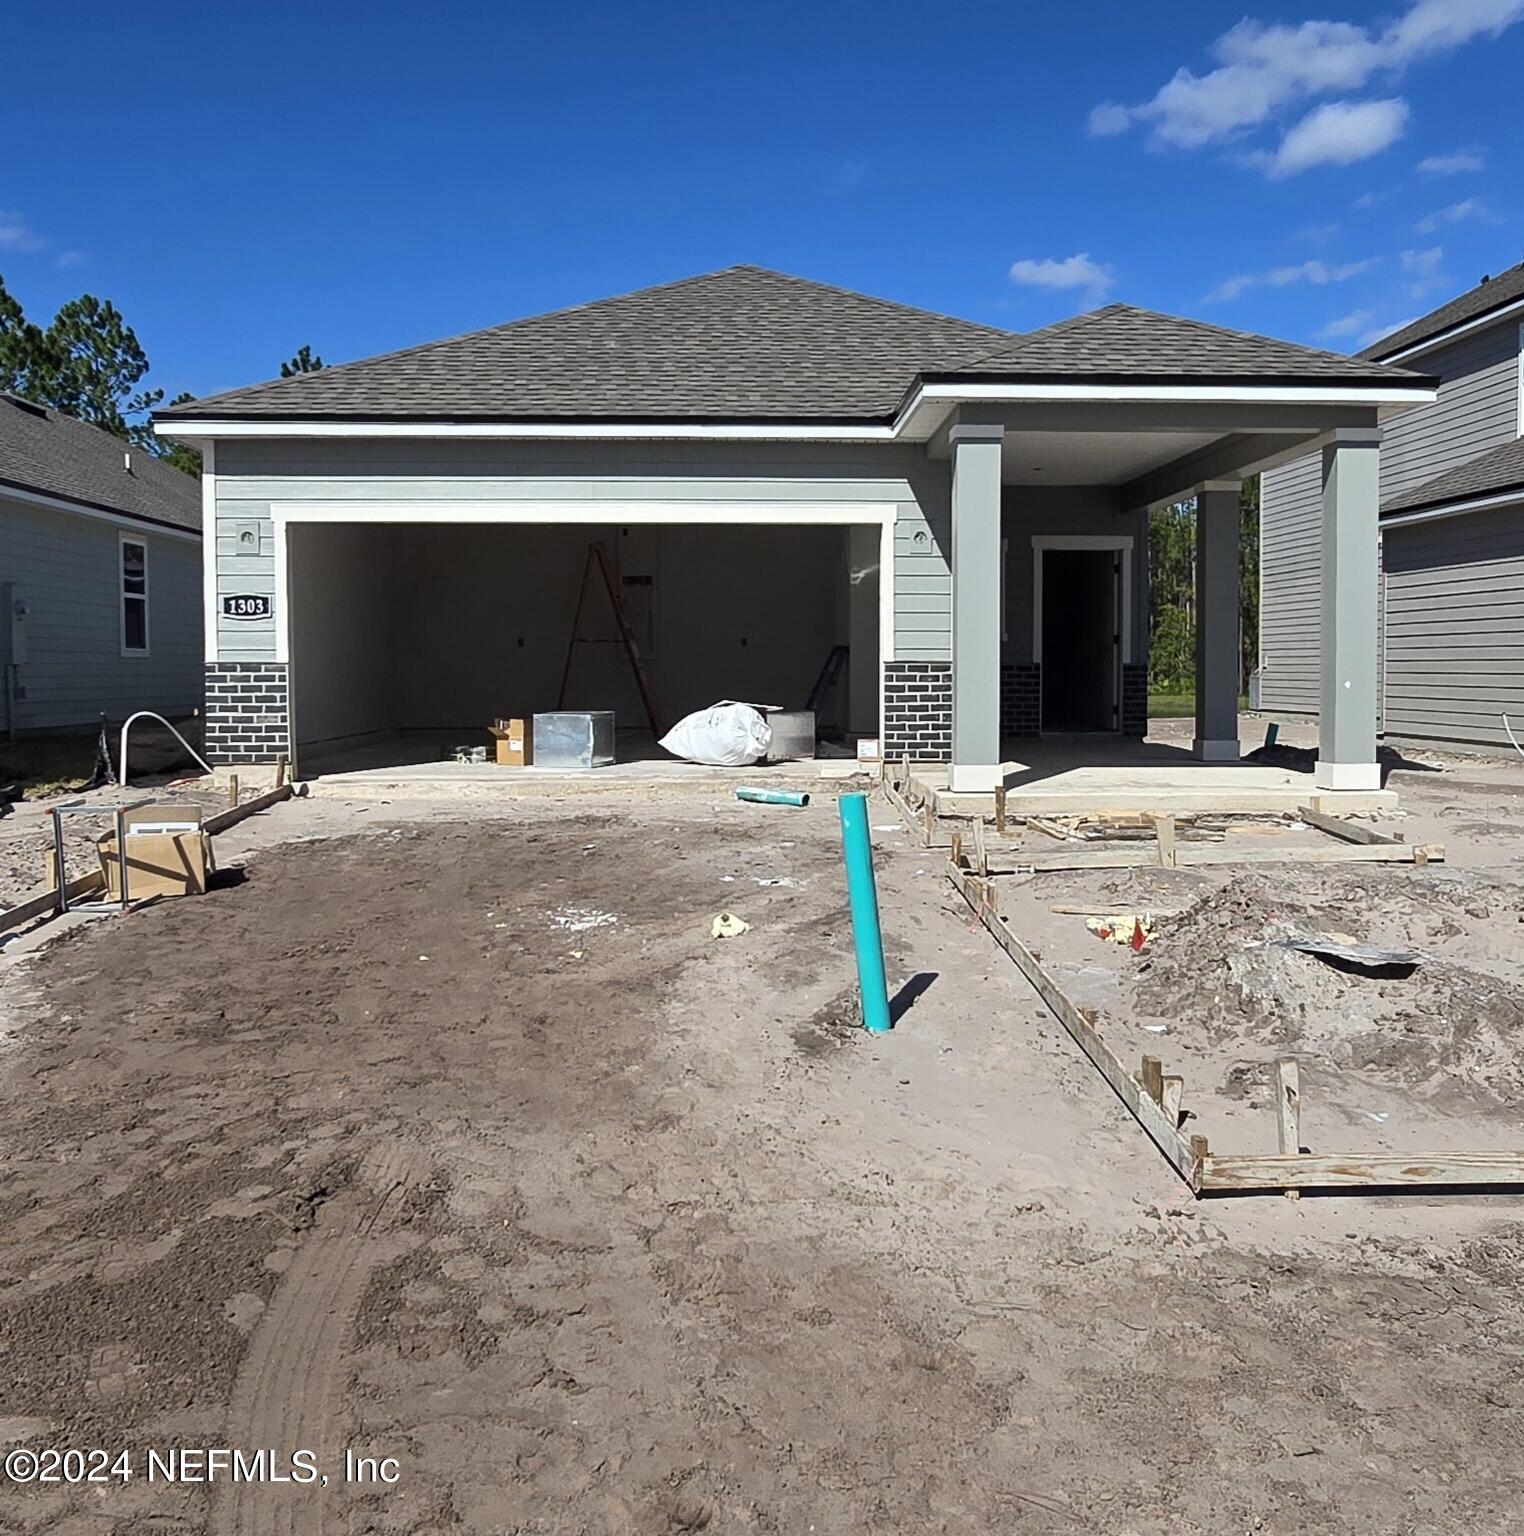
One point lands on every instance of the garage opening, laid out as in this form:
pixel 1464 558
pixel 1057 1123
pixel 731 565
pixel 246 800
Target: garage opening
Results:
pixel 1081 639
pixel 406 640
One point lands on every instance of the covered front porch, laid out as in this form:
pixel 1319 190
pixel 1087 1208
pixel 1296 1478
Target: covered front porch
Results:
pixel 1049 613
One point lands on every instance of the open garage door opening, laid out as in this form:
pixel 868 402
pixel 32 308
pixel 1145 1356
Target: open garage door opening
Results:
pixel 408 639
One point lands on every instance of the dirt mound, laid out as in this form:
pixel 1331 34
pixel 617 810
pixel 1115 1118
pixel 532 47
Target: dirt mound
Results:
pixel 1219 969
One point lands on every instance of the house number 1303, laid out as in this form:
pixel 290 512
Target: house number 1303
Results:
pixel 246 605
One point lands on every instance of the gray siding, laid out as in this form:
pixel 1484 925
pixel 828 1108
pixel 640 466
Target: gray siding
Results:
pixel 1477 410
pixel 66 567
pixel 252 477
pixel 1455 628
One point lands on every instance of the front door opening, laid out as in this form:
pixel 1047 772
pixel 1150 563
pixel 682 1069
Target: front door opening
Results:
pixel 1081 639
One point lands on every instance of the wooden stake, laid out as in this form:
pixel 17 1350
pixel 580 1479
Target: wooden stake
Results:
pixel 1288 1118
pixel 981 853
pixel 280 771
pixel 1174 1091
pixel 1000 810
pixel 956 851
pixel 1152 1079
pixel 232 790
pixel 1164 830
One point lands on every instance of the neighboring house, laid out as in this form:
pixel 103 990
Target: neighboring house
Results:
pixel 1451 625
pixel 100 576
pixel 775 467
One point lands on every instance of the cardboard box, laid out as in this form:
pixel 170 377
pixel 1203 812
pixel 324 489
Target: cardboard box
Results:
pixel 515 743
pixel 167 854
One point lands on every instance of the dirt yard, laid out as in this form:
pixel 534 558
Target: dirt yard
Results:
pixel 463 1142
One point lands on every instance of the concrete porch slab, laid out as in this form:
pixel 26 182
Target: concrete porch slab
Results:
pixel 1187 788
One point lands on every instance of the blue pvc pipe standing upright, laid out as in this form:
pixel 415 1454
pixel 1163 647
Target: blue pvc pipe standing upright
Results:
pixel 863 894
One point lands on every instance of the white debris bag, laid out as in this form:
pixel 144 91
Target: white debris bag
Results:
pixel 726 735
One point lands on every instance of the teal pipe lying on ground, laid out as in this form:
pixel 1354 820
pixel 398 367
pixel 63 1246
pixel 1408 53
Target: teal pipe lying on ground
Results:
pixel 773 796
pixel 863 894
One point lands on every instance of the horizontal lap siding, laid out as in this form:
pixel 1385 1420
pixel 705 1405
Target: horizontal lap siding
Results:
pixel 1291 574
pixel 66 567
pixel 1455 627
pixel 1477 411
pixel 254 479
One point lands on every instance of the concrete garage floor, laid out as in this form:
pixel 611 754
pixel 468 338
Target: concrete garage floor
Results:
pixel 419 764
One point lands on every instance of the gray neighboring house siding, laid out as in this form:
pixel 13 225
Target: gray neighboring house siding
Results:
pixel 1476 413
pixel 65 567
pixel 69 494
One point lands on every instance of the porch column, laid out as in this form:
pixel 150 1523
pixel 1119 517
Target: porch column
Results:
pixel 1351 561
pixel 1217 620
pixel 975 607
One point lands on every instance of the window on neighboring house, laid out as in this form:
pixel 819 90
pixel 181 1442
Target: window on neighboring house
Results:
pixel 134 597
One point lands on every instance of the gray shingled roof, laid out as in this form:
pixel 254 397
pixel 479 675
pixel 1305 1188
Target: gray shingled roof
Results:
pixel 1125 343
pixel 43 450
pixel 749 344
pixel 740 344
pixel 1489 295
pixel 1491 474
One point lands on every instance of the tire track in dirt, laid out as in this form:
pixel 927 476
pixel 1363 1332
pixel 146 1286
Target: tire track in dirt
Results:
pixel 287 1393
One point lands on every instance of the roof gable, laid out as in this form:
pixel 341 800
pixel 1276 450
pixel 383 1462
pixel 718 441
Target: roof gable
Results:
pixel 1124 343
pixel 45 451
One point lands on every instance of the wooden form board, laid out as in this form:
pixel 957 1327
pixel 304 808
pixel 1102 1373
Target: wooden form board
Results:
pixel 1154 1097
pixel 1078 859
pixel 85 885
pixel 1183 1155
pixel 1361 1170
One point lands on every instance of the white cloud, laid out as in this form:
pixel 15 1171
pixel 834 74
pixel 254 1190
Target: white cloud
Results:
pixel 1457 213
pixel 1262 70
pixel 1337 133
pixel 1071 272
pixel 1376 332
pixel 1356 321
pixel 1318 273
pixel 17 235
pixel 65 260
pixel 1423 269
pixel 1456 164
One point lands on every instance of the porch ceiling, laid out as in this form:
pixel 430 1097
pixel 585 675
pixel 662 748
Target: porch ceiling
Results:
pixel 1092 458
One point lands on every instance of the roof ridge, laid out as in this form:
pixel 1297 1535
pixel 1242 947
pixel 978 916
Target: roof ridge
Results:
pixel 1056 328
pixel 1383 344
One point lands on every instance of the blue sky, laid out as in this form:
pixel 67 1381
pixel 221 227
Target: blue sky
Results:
pixel 244 179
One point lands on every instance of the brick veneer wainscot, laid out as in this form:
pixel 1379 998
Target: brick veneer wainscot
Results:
pixel 918 711
pixel 248 711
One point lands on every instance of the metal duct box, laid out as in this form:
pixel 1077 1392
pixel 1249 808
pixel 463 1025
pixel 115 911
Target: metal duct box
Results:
pixel 574 739
pixel 793 734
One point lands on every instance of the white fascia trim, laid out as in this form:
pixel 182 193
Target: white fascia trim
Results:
pixel 940 396
pixel 614 510
pixel 138 525
pixel 1174 394
pixel 1429 343
pixel 581 431
pixel 1455 509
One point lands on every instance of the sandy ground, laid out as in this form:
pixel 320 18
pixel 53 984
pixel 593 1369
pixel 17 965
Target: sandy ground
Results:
pixel 463 1142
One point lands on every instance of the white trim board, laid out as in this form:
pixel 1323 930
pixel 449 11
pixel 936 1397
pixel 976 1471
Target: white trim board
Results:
pixel 1455 509
pixel 627 510
pixel 209 639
